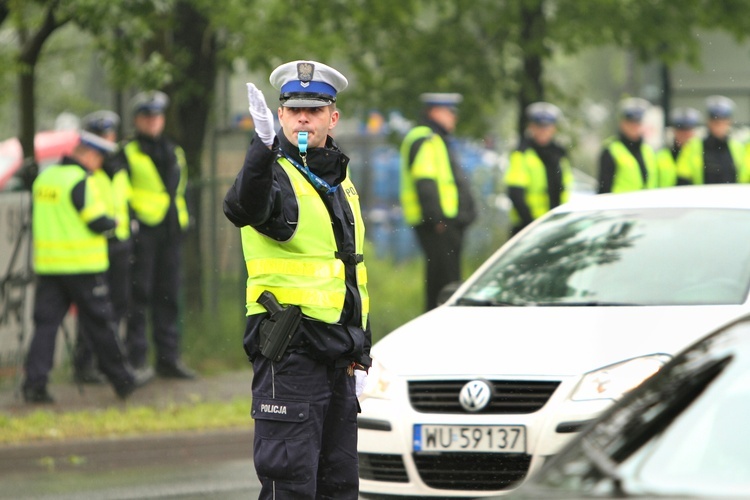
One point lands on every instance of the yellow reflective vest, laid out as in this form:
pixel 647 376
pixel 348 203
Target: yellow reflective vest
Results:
pixel 304 270
pixel 690 165
pixel 150 199
pixel 432 162
pixel 115 195
pixel 667 167
pixel 527 171
pixel 628 175
pixel 63 242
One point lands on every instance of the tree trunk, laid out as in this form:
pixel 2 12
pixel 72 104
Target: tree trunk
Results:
pixel 532 40
pixel 31 48
pixel 193 99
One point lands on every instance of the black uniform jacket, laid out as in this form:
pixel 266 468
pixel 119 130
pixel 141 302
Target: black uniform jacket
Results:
pixel 262 197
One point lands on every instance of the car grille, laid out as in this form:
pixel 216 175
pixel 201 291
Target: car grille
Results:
pixel 472 471
pixel 508 396
pixel 378 467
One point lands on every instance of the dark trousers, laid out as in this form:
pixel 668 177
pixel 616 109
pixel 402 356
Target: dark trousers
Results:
pixel 442 251
pixel 53 296
pixel 305 443
pixel 157 257
pixel 118 280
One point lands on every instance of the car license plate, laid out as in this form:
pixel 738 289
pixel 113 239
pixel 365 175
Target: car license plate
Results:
pixel 470 438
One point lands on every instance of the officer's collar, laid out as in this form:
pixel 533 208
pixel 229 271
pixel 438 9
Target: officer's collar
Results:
pixel 436 127
pixel 630 142
pixel 329 162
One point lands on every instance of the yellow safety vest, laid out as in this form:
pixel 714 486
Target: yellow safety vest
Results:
pixel 690 164
pixel 432 162
pixel 115 194
pixel 63 242
pixel 304 270
pixel 627 171
pixel 527 171
pixel 667 167
pixel 150 199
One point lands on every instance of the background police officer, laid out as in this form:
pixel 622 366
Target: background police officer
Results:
pixel 70 259
pixel 114 183
pixel 302 237
pixel 158 176
pixel 435 193
pixel 626 162
pixel 539 176
pixel 683 122
pixel 718 158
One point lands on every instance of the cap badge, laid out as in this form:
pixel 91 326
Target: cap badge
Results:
pixel 305 72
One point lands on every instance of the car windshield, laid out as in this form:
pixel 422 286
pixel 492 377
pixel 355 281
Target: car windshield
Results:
pixel 684 433
pixel 664 256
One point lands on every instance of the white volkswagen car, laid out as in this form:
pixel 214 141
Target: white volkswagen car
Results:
pixel 566 317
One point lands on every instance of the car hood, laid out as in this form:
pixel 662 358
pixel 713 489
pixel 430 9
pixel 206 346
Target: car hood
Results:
pixel 541 341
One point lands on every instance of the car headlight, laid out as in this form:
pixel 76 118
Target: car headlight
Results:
pixel 611 382
pixel 377 383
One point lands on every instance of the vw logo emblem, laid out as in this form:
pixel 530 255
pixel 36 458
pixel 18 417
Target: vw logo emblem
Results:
pixel 475 395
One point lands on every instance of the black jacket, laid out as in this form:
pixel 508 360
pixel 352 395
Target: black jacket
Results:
pixel 262 197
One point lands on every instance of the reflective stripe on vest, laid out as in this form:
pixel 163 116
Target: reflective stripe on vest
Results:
pixel 63 242
pixel 628 175
pixel 303 270
pixel 527 171
pixel 150 200
pixel 431 162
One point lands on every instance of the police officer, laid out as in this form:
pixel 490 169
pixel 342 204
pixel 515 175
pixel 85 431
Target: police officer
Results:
pixel 683 122
pixel 158 176
pixel 302 236
pixel 435 194
pixel 114 182
pixel 718 158
pixel 70 258
pixel 626 162
pixel 539 176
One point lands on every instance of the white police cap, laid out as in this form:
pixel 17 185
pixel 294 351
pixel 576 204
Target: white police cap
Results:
pixel 447 99
pixel 151 102
pixel 633 108
pixel 97 143
pixel 543 113
pixel 307 84
pixel 719 107
pixel 685 118
pixel 100 122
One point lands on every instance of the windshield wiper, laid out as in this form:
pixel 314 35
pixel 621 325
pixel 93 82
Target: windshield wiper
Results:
pixel 605 465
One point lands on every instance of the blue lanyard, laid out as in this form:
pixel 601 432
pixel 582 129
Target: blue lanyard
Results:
pixel 319 183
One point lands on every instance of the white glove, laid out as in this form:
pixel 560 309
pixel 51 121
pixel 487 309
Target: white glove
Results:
pixel 360 376
pixel 262 115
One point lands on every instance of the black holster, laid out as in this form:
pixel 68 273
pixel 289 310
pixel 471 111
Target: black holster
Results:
pixel 279 328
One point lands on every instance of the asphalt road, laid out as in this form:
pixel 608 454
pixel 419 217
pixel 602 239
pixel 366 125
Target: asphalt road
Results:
pixel 213 465
pixel 190 465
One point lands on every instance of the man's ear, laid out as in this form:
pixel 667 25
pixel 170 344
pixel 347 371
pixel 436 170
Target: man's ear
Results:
pixel 334 119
